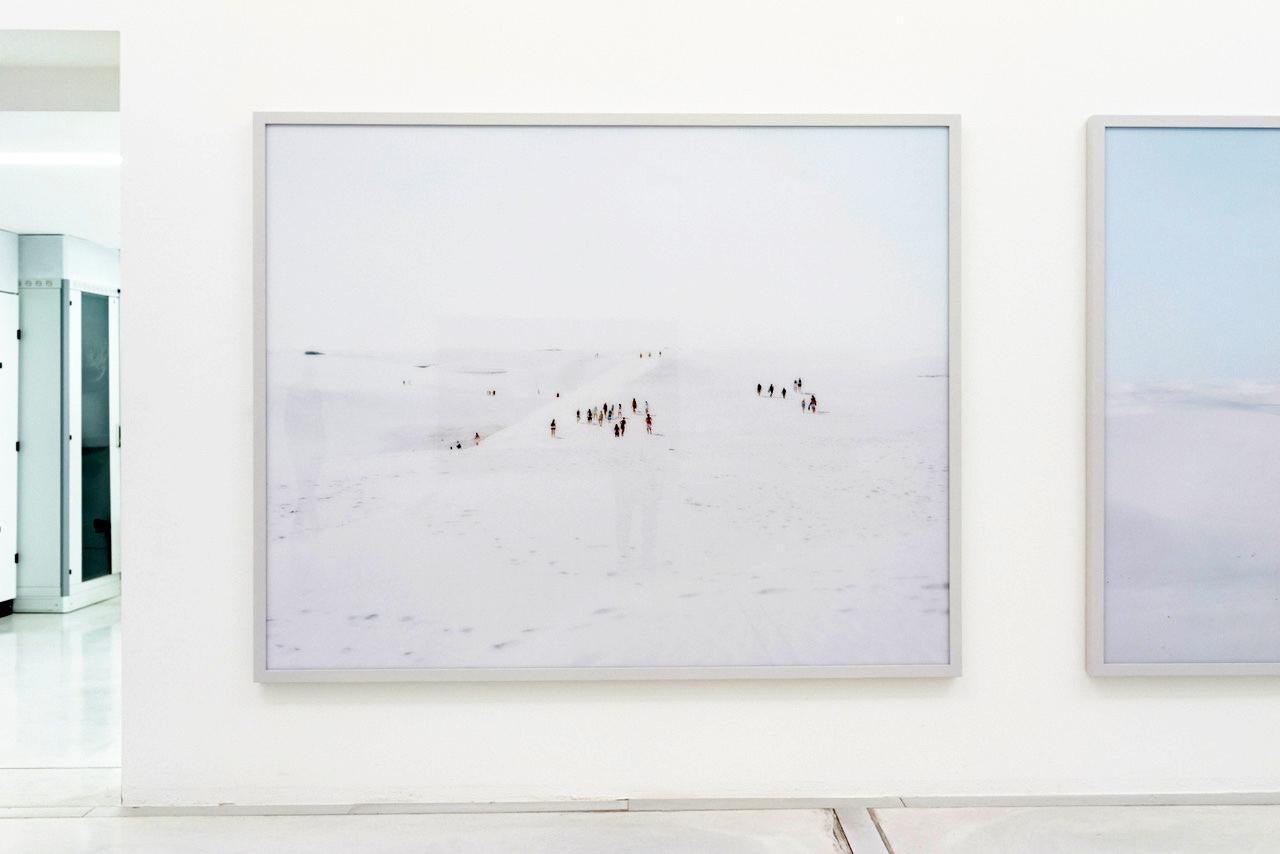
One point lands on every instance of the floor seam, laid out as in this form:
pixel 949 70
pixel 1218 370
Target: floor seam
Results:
pixel 842 838
pixel 884 837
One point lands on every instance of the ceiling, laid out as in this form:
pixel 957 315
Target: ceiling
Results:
pixel 60 174
pixel 59 49
pixel 59 160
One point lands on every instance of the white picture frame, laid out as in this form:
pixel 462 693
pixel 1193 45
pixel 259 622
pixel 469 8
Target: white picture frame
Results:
pixel 263 122
pixel 1098 662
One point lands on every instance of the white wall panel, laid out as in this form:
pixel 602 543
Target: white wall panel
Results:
pixel 1025 718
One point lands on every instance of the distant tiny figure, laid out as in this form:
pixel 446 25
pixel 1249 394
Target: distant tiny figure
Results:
pixel 648 423
pixel 633 404
pixel 813 403
pixel 799 383
pixel 557 394
pixel 759 388
pixel 804 404
pixel 623 425
pixel 642 355
pixel 784 394
pixel 477 439
pixel 579 414
pixel 770 389
pixel 615 431
pixel 459 446
pixel 659 353
pixel 553 428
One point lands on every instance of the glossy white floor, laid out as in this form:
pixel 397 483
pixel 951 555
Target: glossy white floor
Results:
pixel 59 792
pixel 1034 830
pixel 60 714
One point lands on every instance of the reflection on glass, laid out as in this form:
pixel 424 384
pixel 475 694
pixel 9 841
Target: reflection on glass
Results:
pixel 95 438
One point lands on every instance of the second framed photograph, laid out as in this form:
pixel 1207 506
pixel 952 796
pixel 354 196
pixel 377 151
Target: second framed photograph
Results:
pixel 1184 396
pixel 585 397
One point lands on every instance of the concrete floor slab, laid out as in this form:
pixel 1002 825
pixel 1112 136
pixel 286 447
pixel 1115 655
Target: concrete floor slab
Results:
pixel 756 832
pixel 1083 830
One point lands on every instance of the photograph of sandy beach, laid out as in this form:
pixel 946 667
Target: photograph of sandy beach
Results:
pixel 1192 490
pixel 586 397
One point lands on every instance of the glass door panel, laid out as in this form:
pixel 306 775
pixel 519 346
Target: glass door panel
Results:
pixel 96 435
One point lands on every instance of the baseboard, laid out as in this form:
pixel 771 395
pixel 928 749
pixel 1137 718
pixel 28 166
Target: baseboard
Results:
pixel 98 590
pixel 716 804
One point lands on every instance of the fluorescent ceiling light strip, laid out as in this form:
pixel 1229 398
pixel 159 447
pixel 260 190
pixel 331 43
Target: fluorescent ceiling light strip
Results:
pixel 59 158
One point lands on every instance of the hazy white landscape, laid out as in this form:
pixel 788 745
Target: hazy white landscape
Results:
pixel 452 280
pixel 743 531
pixel 1193 522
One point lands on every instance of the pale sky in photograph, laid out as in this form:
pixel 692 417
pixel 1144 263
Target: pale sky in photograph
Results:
pixel 406 239
pixel 1193 254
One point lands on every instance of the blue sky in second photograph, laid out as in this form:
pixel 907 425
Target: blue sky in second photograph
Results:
pixel 1193 254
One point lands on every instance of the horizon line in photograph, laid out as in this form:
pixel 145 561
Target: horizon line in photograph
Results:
pixel 730 236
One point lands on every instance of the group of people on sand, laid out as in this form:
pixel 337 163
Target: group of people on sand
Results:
pixel 457 446
pixel 598 415
pixel 809 404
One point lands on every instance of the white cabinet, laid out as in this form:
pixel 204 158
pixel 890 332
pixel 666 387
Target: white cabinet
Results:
pixel 8 421
pixel 69 424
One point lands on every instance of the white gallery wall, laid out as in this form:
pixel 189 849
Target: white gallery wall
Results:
pixel 1024 718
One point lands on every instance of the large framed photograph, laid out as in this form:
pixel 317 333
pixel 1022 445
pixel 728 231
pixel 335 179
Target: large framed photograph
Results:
pixel 606 397
pixel 1184 396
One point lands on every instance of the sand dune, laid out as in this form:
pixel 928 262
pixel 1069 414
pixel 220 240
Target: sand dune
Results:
pixel 744 531
pixel 1193 523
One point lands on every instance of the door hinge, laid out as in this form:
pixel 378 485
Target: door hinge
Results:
pixel 17 446
pixel 15 557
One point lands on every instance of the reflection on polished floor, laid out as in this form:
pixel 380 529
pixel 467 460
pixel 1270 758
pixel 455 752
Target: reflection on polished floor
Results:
pixel 60 722
pixel 970 830
pixel 728 832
